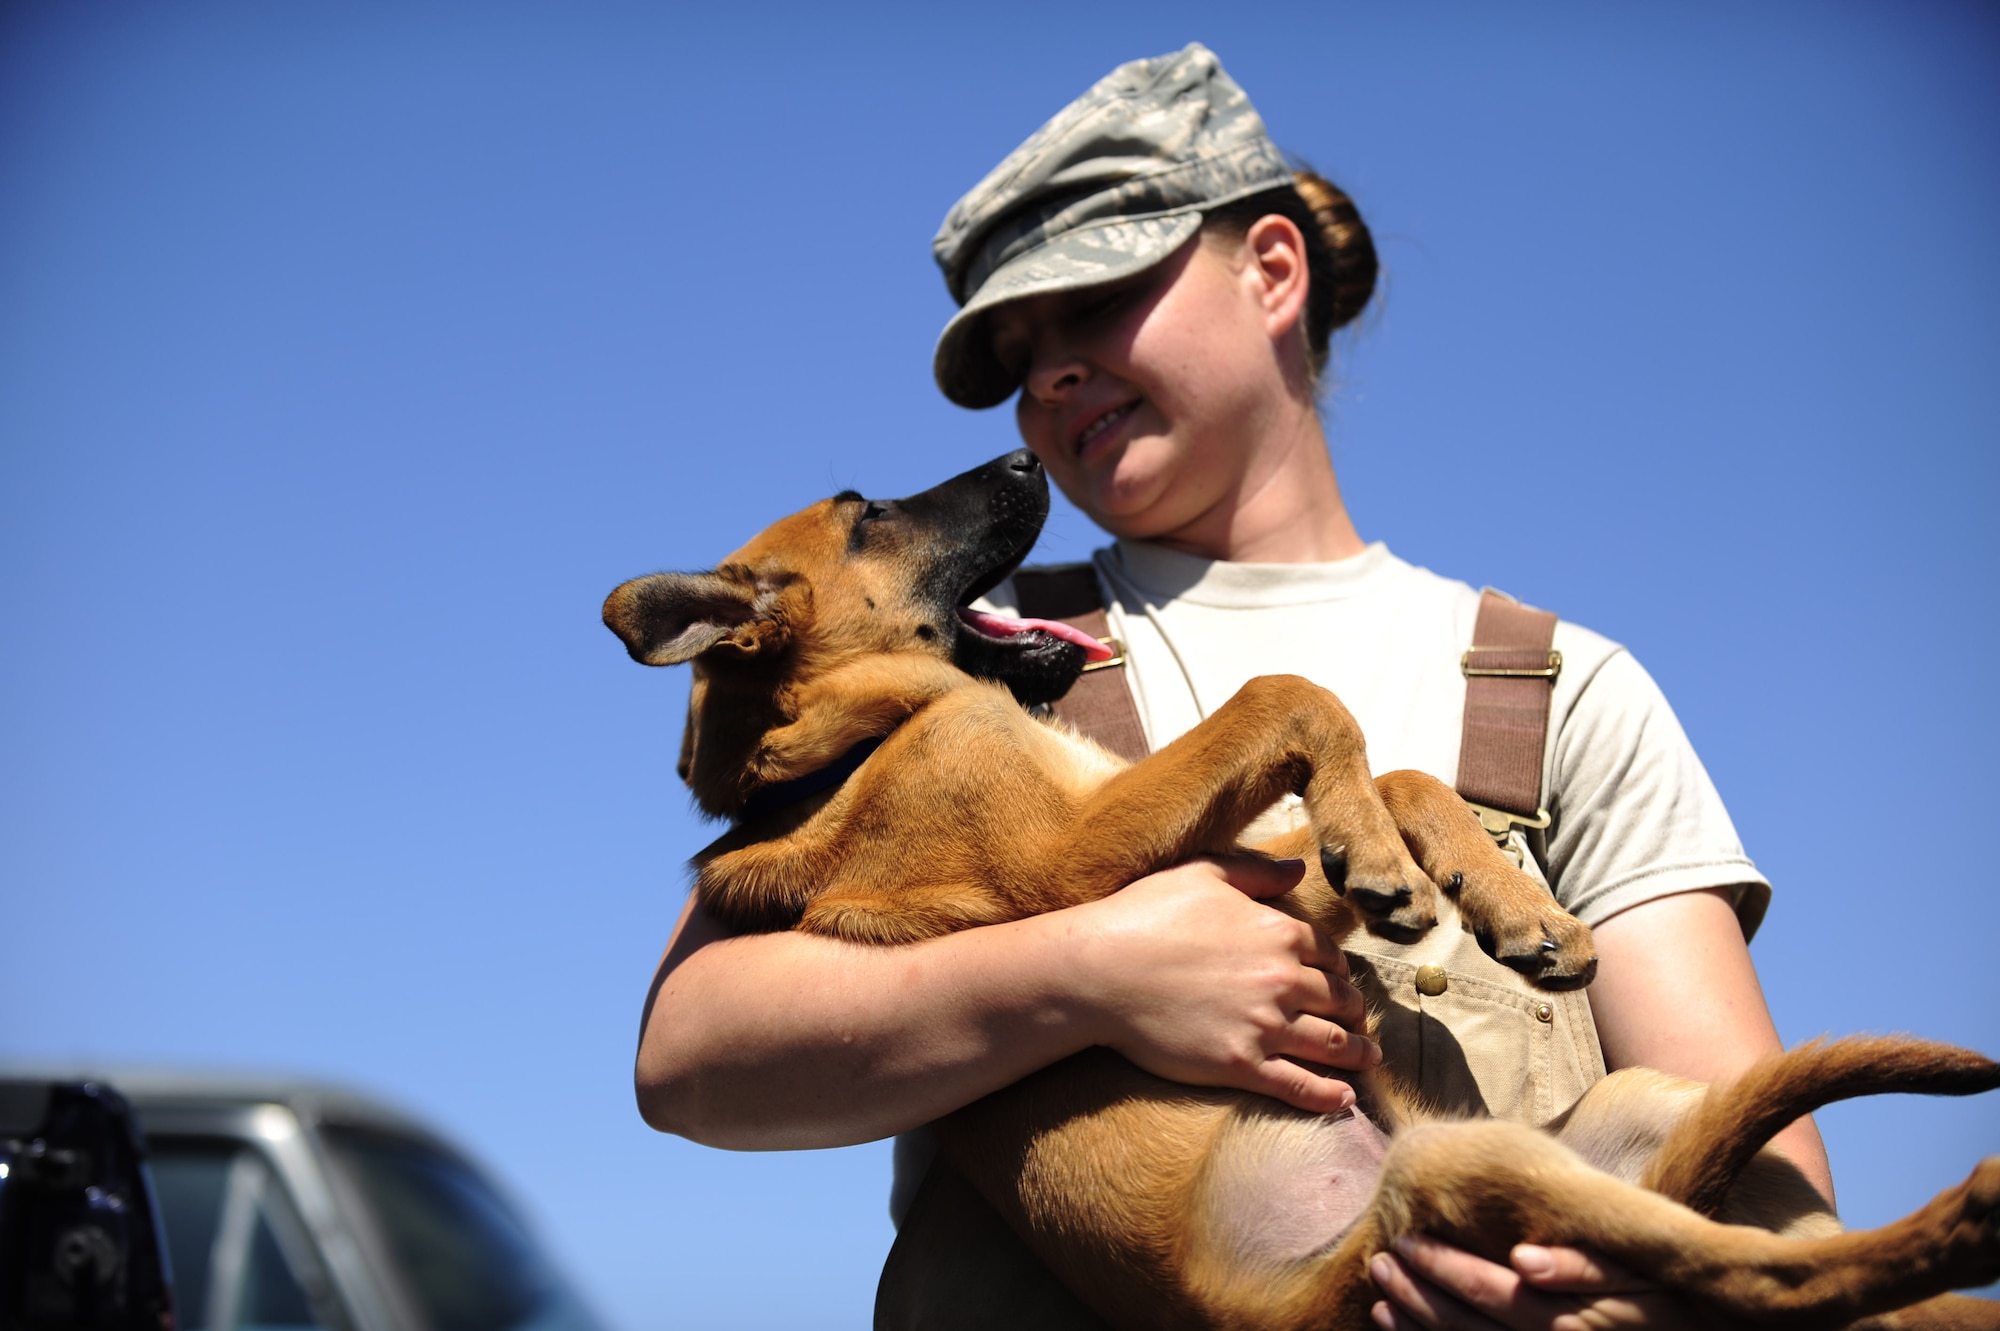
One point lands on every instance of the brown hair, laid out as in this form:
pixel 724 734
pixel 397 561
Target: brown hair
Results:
pixel 1340 254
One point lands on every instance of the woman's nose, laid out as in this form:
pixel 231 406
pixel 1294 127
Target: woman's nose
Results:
pixel 1054 373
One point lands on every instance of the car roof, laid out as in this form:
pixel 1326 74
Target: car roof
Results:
pixel 312 1100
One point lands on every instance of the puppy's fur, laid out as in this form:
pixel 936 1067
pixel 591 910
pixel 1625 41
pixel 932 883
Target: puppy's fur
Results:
pixel 1170 1206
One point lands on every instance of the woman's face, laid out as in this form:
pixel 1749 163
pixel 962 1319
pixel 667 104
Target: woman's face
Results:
pixel 1151 400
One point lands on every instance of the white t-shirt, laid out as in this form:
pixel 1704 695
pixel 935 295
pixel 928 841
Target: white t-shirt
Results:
pixel 1634 814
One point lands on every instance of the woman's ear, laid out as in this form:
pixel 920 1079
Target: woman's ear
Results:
pixel 1277 253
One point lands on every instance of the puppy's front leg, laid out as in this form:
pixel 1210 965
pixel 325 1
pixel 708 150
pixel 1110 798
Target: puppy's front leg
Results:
pixel 1514 918
pixel 1279 735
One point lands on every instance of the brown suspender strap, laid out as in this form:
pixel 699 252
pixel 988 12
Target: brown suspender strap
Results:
pixel 1510 673
pixel 1099 705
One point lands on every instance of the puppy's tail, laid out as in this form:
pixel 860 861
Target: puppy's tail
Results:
pixel 1705 1151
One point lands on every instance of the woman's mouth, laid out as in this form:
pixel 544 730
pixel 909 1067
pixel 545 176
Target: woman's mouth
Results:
pixel 1104 423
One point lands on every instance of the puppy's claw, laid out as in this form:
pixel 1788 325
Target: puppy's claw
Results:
pixel 1395 908
pixel 1558 954
pixel 1395 899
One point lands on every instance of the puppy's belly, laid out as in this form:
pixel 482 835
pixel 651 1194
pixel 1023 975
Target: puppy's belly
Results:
pixel 1283 1186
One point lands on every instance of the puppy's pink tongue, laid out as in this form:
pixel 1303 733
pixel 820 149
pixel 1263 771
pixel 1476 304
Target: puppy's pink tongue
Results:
pixel 1002 626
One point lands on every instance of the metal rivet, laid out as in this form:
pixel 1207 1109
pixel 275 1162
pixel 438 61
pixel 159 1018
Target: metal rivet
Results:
pixel 1544 1012
pixel 1431 981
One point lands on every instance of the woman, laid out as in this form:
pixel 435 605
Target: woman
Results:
pixel 1158 287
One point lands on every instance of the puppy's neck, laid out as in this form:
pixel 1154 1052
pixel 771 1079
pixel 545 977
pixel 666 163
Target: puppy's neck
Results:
pixel 769 799
pixel 748 737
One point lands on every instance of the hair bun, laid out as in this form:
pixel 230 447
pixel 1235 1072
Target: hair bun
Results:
pixel 1351 248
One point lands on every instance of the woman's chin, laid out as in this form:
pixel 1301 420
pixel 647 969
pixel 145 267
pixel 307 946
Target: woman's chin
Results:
pixel 1127 497
pixel 1128 521
pixel 1147 512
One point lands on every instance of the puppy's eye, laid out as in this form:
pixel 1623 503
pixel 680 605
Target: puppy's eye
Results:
pixel 857 535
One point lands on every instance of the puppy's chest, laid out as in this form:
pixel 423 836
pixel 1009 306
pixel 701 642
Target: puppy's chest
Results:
pixel 995 761
pixel 1077 764
pixel 984 797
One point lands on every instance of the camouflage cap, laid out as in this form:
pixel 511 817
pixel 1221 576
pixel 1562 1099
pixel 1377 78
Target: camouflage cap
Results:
pixel 1115 183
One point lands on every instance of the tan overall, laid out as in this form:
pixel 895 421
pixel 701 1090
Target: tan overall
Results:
pixel 1472 1035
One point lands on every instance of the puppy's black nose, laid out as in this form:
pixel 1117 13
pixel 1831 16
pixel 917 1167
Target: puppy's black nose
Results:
pixel 1023 461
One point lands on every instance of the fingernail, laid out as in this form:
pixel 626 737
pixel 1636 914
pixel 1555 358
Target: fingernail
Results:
pixel 1383 1317
pixel 1407 1245
pixel 1380 1269
pixel 1530 1260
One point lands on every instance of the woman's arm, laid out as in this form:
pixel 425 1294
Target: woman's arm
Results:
pixel 780 1041
pixel 1676 991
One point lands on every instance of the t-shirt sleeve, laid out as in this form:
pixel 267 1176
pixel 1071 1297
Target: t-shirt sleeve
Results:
pixel 1635 814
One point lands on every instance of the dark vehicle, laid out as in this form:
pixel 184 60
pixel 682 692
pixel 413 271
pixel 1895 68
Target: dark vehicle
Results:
pixel 288 1206
pixel 80 1240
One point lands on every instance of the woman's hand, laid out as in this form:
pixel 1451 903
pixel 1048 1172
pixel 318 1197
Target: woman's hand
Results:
pixel 1435 1286
pixel 1188 974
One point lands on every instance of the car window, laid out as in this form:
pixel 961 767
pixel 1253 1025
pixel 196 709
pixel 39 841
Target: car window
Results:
pixel 238 1251
pixel 463 1254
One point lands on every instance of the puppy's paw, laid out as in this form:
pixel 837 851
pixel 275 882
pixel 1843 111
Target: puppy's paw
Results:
pixel 1555 952
pixel 1393 897
pixel 1983 1204
pixel 1975 1234
pixel 1519 926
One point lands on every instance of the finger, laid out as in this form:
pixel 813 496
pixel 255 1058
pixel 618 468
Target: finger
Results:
pixel 1315 951
pixel 1391 1318
pixel 1416 1303
pixel 1494 1291
pixel 1331 996
pixel 1573 1271
pixel 1322 1041
pixel 1301 1087
pixel 1479 1282
pixel 1258 875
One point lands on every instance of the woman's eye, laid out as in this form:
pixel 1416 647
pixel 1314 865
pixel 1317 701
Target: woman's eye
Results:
pixel 1094 305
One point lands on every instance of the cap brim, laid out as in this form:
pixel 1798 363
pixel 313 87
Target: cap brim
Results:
pixel 1089 256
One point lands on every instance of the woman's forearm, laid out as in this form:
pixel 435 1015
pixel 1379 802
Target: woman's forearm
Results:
pixel 784 1041
pixel 781 1041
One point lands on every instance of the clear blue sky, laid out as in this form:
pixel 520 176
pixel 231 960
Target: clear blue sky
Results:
pixel 350 352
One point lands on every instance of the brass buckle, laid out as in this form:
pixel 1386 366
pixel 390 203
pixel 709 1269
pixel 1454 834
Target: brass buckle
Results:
pixel 1498 822
pixel 1471 671
pixel 1117 656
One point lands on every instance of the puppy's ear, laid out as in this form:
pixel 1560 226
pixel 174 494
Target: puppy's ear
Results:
pixel 669 618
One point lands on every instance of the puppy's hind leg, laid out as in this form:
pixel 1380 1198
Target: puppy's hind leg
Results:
pixel 1483 1185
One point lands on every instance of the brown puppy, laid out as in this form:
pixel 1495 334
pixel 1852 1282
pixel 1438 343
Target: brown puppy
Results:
pixel 839 629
